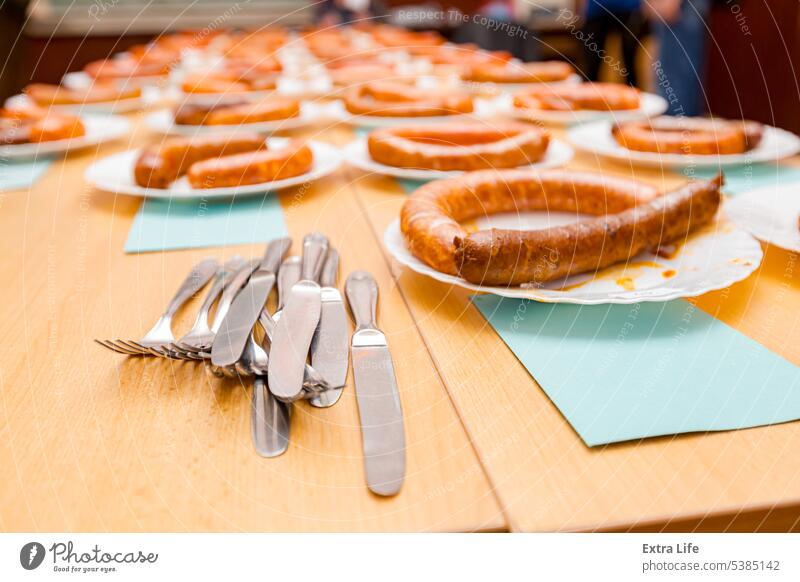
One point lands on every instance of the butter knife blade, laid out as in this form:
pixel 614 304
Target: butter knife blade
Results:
pixel 379 408
pixel 230 341
pixel 329 348
pixel 295 329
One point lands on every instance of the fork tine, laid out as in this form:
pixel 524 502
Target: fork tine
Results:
pixel 132 345
pixel 124 346
pixel 150 351
pixel 121 346
pixel 114 348
pixel 193 349
pixel 176 351
pixel 182 354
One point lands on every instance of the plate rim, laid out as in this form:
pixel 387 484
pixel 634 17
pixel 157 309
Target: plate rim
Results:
pixel 217 193
pixel 745 196
pixel 565 118
pixel 394 227
pixel 359 146
pixel 654 160
pixel 62 146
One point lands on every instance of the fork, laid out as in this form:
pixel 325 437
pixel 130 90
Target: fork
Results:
pixel 159 338
pixel 201 345
pixel 197 337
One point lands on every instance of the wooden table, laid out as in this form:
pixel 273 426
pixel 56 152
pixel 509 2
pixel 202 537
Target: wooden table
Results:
pixel 93 441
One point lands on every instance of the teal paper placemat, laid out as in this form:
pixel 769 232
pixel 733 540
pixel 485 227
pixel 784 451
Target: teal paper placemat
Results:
pixel 622 372
pixel 172 224
pixel 409 186
pixel 739 179
pixel 20 175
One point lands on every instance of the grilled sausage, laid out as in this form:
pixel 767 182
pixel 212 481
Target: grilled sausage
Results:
pixel 579 96
pixel 458 146
pixel 682 135
pixel 430 217
pixel 160 165
pixel 388 99
pixel 253 167
pixel 508 257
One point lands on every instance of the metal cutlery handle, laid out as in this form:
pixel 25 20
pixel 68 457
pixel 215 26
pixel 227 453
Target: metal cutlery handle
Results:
pixel 230 291
pixel 362 296
pixel 274 254
pixel 211 297
pixel 287 277
pixel 196 280
pixel 224 274
pixel 315 247
pixel 330 269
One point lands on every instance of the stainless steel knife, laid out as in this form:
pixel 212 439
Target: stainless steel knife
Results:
pixel 230 341
pixel 329 348
pixel 270 422
pixel 287 277
pixel 230 291
pixel 270 418
pixel 382 432
pixel 295 329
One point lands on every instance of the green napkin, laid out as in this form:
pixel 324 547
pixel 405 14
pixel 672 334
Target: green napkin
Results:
pixel 164 224
pixel 622 372
pixel 21 175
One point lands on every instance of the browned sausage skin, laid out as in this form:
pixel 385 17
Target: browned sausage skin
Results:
pixel 634 217
pixel 254 167
pixel 507 257
pixel 394 99
pixel 688 135
pixel 160 165
pixel 458 146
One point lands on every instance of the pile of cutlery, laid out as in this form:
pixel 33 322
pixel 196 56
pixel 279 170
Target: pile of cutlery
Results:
pixel 299 352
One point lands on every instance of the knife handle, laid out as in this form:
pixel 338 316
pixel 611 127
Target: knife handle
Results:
pixel 362 296
pixel 329 270
pixel 197 278
pixel 274 254
pixel 315 247
pixel 287 277
pixel 229 292
pixel 225 272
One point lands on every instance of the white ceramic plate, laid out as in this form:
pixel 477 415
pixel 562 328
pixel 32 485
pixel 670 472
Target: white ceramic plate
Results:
pixel 595 138
pixel 104 108
pixel 115 174
pixel 214 98
pixel 651 105
pixel 80 80
pixel 162 121
pixel 713 258
pixel 771 214
pixel 99 129
pixel 305 88
pixel 357 154
pixel 504 88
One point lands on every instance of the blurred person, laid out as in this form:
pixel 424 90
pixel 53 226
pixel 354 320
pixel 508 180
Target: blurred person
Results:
pixel 681 30
pixel 333 12
pixel 602 17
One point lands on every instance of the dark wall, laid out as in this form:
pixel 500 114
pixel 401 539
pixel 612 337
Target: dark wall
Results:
pixel 754 61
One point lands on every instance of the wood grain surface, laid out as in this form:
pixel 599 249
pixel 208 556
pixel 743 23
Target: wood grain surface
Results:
pixel 545 477
pixel 93 441
pixel 90 440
